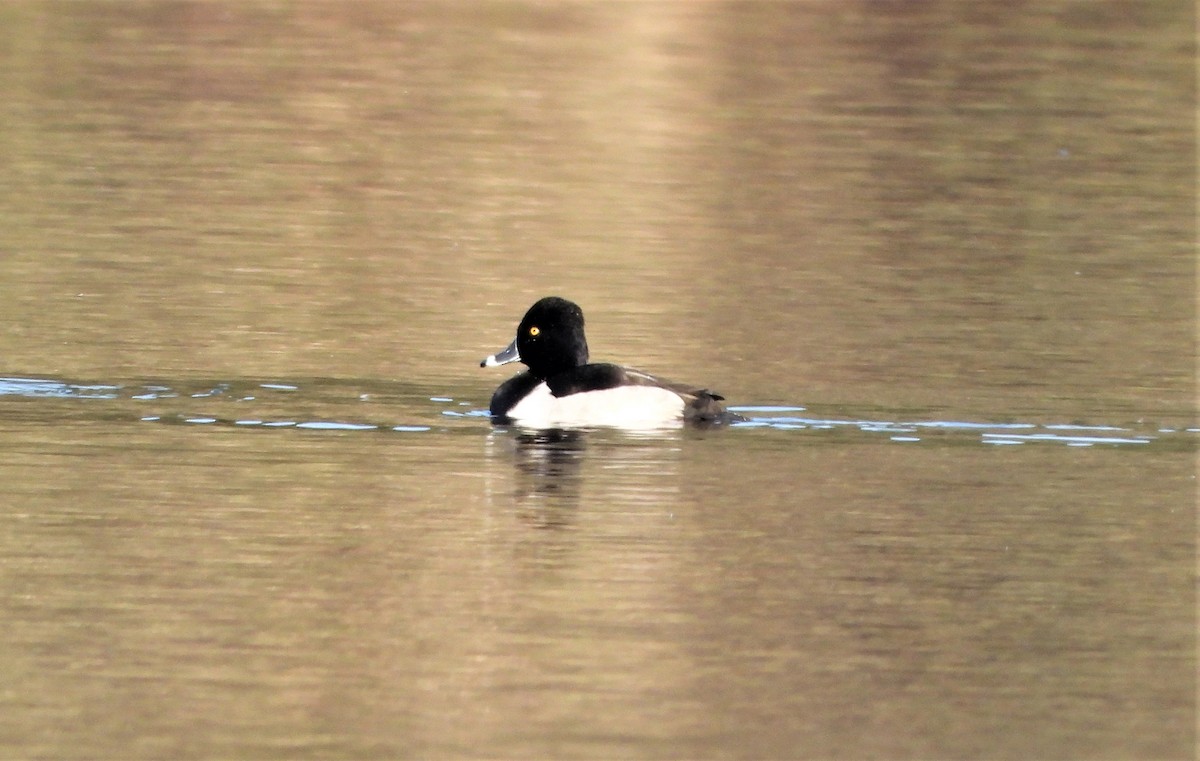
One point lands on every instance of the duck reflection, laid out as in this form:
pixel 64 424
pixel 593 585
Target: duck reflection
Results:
pixel 548 478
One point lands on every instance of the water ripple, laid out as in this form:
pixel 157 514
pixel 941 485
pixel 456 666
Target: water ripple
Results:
pixel 356 406
pixel 1069 434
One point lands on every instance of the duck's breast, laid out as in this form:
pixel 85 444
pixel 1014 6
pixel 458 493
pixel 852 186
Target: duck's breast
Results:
pixel 622 406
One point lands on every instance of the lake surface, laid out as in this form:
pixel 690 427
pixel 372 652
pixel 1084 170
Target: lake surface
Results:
pixel 940 256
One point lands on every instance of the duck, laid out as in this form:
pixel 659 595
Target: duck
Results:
pixel 562 389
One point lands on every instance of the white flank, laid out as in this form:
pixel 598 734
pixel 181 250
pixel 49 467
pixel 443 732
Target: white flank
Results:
pixel 634 407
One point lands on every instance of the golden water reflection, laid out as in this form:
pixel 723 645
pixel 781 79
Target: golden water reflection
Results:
pixel 934 212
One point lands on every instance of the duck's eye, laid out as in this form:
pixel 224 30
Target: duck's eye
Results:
pixel 534 330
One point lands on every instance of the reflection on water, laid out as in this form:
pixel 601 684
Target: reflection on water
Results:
pixel 440 584
pixel 422 591
pixel 548 477
pixel 939 255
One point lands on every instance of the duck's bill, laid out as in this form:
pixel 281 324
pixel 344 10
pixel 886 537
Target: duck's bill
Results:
pixel 510 354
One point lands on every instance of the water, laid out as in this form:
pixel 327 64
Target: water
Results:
pixel 254 506
pixel 272 404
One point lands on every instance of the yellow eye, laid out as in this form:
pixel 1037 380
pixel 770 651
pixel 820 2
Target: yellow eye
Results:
pixel 534 330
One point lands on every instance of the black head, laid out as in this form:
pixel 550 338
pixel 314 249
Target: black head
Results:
pixel 549 339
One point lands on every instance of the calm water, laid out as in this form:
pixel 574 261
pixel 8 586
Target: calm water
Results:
pixel 942 256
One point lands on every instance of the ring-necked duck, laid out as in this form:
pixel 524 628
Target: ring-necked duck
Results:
pixel 561 389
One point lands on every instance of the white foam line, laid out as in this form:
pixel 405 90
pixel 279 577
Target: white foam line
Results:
pixel 328 426
pixel 1065 439
pixel 972 426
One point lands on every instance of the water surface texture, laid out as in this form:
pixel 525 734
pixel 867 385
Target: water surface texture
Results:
pixel 941 256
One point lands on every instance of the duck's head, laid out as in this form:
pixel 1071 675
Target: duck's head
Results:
pixel 549 340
